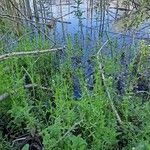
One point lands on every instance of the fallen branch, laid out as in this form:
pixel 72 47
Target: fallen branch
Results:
pixel 21 54
pixel 120 8
pixel 36 85
pixel 99 56
pixel 19 139
pixel 12 18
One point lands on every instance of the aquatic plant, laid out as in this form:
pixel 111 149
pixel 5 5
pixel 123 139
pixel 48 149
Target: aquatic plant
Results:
pixel 41 106
pixel 57 98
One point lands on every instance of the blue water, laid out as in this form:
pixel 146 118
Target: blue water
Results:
pixel 93 27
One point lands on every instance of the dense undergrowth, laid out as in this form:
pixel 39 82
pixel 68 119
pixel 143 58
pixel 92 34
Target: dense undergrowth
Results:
pixel 48 114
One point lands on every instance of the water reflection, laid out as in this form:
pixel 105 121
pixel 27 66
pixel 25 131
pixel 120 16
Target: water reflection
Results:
pixel 91 21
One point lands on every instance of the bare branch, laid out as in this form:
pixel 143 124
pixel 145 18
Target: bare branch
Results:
pixel 21 54
pixel 105 86
pixel 38 86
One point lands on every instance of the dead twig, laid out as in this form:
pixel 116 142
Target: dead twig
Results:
pixel 12 18
pixel 120 8
pixel 38 86
pixel 21 54
pixel 19 139
pixel 99 56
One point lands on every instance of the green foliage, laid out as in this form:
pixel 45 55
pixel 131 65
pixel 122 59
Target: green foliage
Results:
pixel 51 111
pixel 26 147
pixel 3 143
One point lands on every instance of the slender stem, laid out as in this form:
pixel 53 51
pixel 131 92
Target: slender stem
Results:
pixel 19 54
pixel 105 86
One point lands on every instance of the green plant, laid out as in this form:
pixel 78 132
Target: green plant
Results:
pixel 49 110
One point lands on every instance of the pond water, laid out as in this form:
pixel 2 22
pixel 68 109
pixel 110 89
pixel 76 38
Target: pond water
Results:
pixel 88 23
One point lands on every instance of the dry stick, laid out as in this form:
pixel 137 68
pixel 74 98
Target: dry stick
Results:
pixel 19 139
pixel 20 54
pixel 105 86
pixel 61 17
pixel 36 85
pixel 40 23
pixel 32 23
pixel 65 15
pixel 6 95
pixel 120 8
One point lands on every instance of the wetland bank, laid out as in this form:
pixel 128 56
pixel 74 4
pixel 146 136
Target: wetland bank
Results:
pixel 74 74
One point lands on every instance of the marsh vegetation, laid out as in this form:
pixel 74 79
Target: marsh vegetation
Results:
pixel 74 74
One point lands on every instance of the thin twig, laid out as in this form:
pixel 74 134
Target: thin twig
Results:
pixel 19 139
pixel 20 54
pixel 7 16
pixel 105 86
pixel 36 85
pixel 120 8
